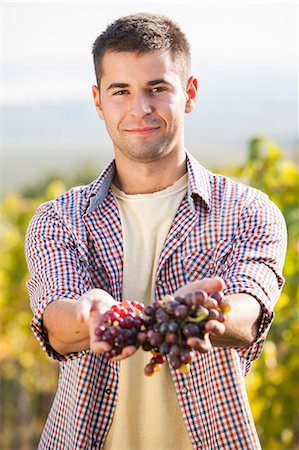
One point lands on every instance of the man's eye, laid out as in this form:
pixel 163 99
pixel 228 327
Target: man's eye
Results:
pixel 122 92
pixel 157 89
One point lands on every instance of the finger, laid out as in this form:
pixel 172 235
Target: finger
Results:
pixel 215 327
pixel 202 345
pixel 95 301
pixel 100 346
pixel 126 352
pixel 217 284
pixel 207 284
pixel 211 284
pixel 83 309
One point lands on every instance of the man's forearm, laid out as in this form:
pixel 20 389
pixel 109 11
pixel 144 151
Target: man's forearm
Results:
pixel 66 334
pixel 242 322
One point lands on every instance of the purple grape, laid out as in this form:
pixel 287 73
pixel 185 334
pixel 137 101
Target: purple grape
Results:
pixel 141 337
pixel 171 307
pixel 128 322
pixel 217 295
pixel 180 299
pixel 164 348
pixel 113 331
pixel 114 352
pixel 199 297
pixel 186 356
pixel 146 346
pixel 164 328
pixel 174 350
pixel 171 338
pixel 181 312
pixel 173 327
pixel 99 330
pixel 162 316
pixel 149 310
pixel 156 339
pixel 175 361
pixel 119 341
pixel 190 330
pixel 106 336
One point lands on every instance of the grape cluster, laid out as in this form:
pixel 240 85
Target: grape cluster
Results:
pixel 172 321
pixel 162 327
pixel 120 325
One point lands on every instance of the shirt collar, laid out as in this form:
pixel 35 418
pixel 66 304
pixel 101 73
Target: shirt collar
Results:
pixel 100 187
pixel 198 184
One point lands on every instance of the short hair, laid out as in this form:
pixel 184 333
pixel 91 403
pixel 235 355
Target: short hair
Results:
pixel 142 33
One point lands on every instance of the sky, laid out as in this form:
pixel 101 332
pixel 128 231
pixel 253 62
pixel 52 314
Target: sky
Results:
pixel 243 53
pixel 47 45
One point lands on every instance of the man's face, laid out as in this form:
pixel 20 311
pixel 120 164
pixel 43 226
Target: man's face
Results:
pixel 143 102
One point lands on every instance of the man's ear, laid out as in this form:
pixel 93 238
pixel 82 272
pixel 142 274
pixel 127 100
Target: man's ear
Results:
pixel 97 101
pixel 191 94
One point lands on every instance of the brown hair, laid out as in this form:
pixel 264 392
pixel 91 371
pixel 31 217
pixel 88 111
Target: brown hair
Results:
pixel 142 33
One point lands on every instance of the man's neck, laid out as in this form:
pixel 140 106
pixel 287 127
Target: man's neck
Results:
pixel 142 178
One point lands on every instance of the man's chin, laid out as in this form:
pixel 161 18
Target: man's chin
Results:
pixel 147 155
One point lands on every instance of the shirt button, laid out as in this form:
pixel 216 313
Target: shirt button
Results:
pixel 108 391
pixel 177 235
pixel 160 283
pixel 184 390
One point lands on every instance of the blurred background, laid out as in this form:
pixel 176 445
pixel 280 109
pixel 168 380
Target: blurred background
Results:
pixel 245 126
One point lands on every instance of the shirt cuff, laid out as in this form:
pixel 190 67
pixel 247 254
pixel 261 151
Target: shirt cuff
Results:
pixel 245 285
pixel 41 334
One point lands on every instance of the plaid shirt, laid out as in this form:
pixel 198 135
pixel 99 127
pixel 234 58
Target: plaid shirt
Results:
pixel 74 244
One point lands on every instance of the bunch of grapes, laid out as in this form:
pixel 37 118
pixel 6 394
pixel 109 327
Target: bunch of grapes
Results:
pixel 172 321
pixel 162 327
pixel 120 325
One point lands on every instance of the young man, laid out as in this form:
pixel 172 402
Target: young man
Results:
pixel 154 222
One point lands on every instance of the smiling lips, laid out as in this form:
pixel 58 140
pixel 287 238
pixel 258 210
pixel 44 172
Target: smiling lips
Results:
pixel 142 130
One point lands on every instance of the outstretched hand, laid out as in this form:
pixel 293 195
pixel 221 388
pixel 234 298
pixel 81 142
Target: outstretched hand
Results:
pixel 90 308
pixel 213 328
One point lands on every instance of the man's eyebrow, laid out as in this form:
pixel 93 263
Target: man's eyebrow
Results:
pixel 159 81
pixel 117 85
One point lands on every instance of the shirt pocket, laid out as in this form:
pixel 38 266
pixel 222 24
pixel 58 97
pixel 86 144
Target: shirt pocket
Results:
pixel 209 262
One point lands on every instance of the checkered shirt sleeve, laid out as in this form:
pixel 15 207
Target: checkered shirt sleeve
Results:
pixel 254 266
pixel 55 268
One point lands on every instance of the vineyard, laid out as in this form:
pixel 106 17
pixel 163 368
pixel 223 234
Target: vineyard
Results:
pixel 29 378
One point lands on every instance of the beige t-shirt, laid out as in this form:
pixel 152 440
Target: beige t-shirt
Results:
pixel 147 415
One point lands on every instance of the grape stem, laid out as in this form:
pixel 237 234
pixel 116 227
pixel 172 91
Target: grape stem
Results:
pixel 202 316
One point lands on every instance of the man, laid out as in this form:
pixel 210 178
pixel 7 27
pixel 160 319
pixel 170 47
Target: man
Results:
pixel 155 222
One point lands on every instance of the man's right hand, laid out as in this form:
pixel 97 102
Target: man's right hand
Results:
pixel 90 307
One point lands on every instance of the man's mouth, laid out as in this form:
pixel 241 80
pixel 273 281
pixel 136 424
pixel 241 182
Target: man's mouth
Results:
pixel 142 130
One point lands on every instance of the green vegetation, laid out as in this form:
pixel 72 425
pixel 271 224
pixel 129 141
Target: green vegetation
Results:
pixel 272 384
pixel 28 377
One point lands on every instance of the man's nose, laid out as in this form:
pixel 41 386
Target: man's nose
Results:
pixel 141 105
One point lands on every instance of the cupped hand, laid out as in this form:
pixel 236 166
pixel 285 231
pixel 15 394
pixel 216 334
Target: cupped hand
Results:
pixel 213 328
pixel 90 308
